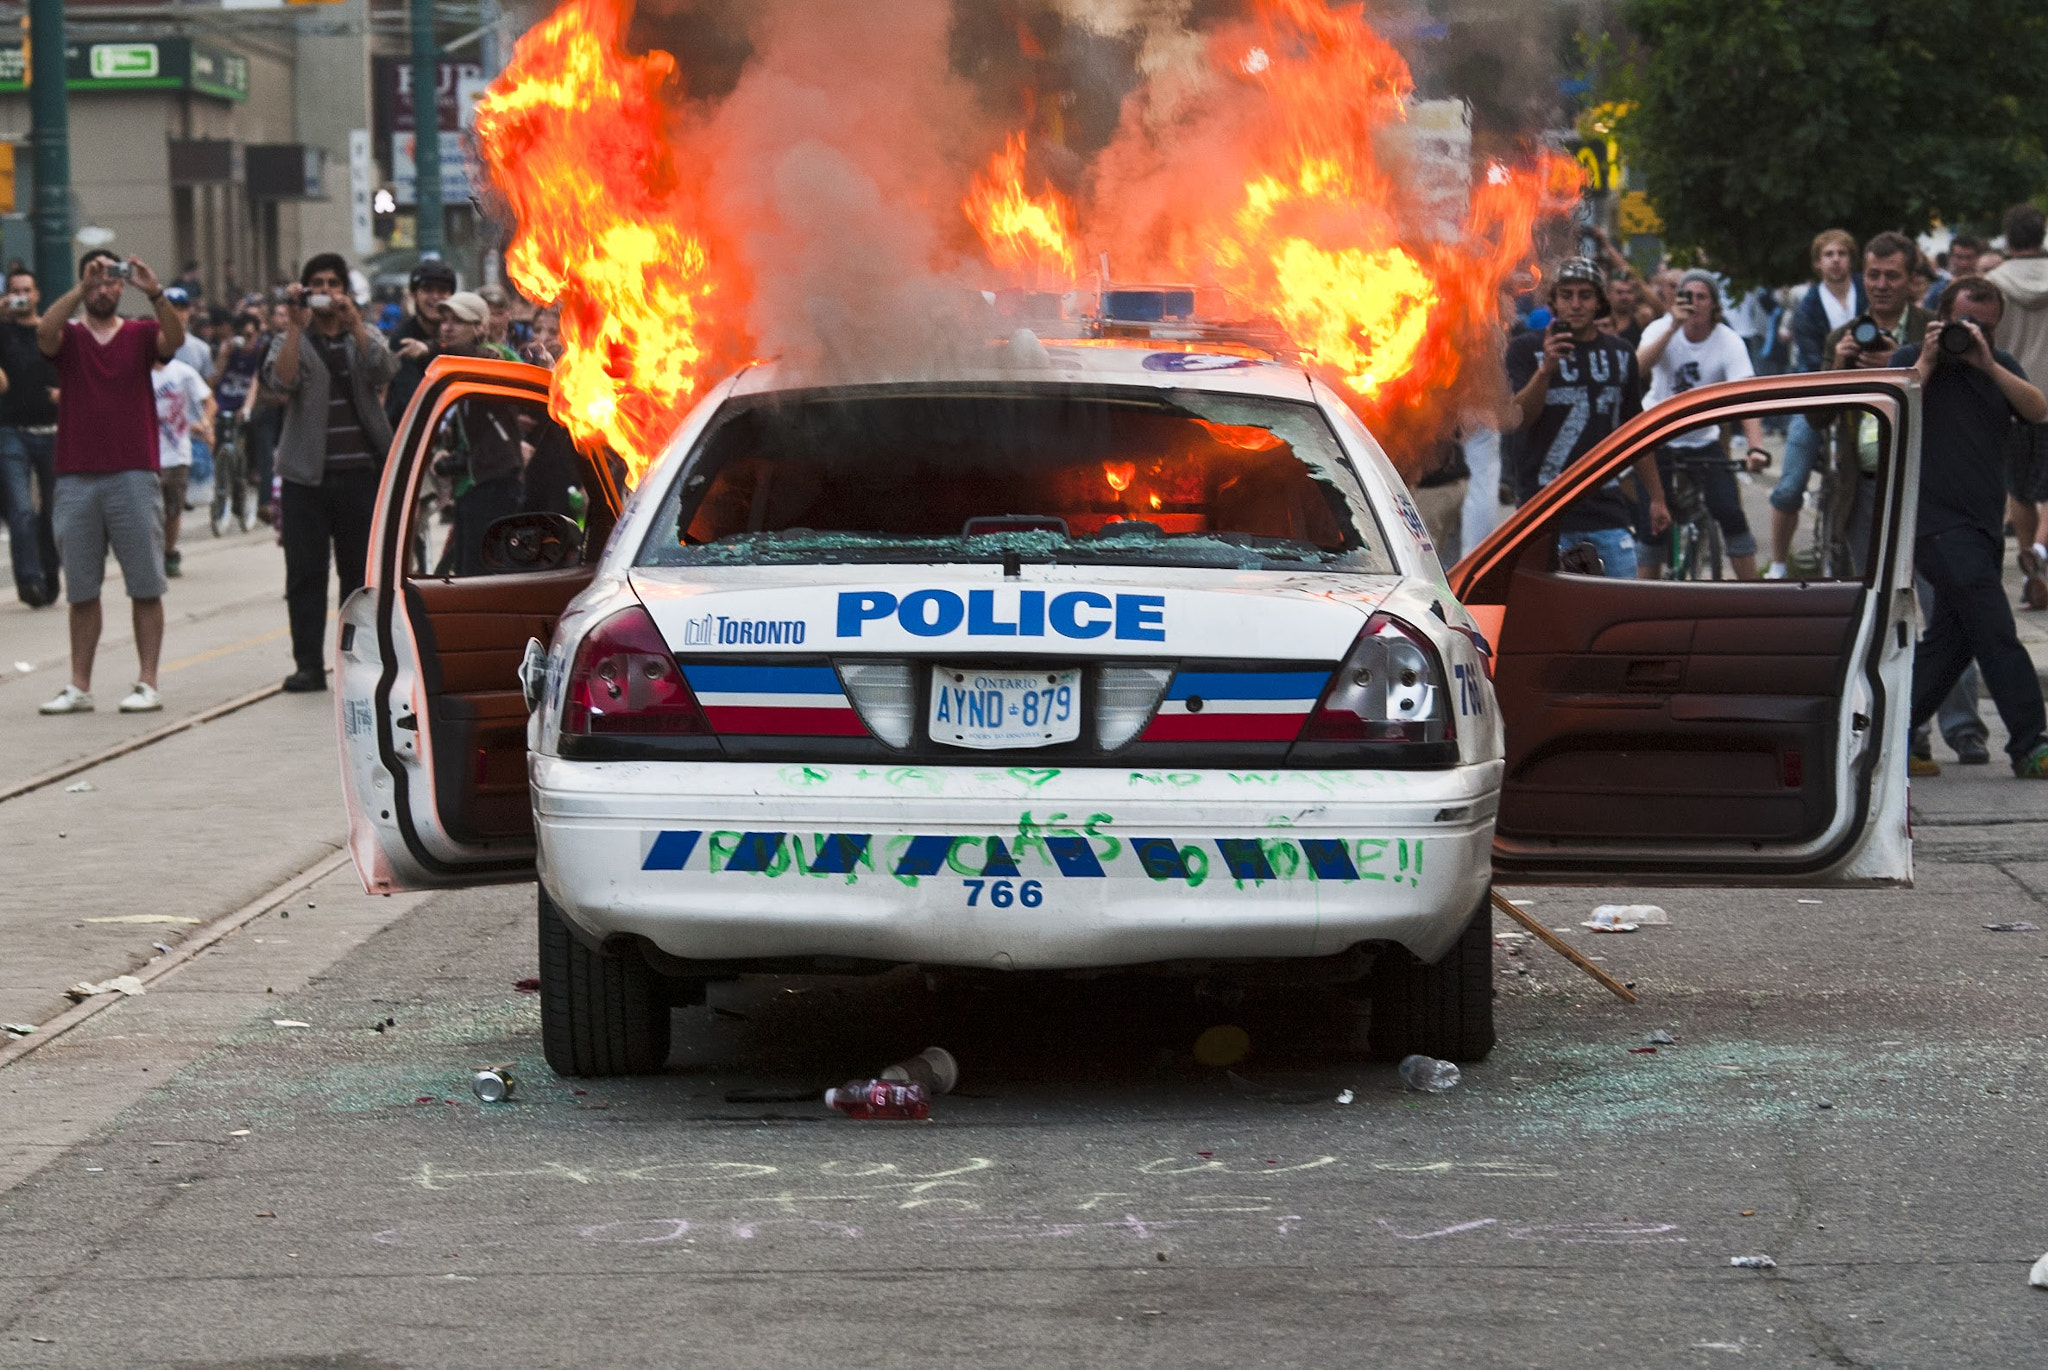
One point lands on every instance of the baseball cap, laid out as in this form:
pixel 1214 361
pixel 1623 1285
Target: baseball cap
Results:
pixel 1582 269
pixel 433 271
pixel 468 306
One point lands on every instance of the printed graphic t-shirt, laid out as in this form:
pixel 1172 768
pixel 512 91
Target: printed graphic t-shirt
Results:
pixel 179 395
pixel 1685 364
pixel 106 401
pixel 1596 389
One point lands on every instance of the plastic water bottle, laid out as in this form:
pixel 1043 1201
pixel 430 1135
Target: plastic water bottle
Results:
pixel 888 1099
pixel 1429 1075
pixel 1642 915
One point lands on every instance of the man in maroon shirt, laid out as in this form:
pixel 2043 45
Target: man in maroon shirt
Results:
pixel 107 494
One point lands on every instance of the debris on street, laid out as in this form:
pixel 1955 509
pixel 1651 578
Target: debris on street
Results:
pixel 2038 1277
pixel 2020 926
pixel 82 787
pixel 1634 915
pixel 141 918
pixel 493 1084
pixel 934 1068
pixel 1346 1097
pixel 1753 1262
pixel 1660 1038
pixel 18 1029
pixel 1625 993
pixel 120 984
pixel 1223 1045
pixel 903 1101
pixel 288 1023
pixel 1427 1075
pixel 530 985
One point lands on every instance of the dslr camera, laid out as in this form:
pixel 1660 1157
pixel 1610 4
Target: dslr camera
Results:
pixel 1868 335
pixel 1958 337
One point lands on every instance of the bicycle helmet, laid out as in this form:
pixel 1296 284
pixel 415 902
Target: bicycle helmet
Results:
pixel 1582 269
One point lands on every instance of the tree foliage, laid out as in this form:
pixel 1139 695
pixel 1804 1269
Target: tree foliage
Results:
pixel 1758 123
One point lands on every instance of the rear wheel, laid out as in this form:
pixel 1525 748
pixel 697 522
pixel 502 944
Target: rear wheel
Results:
pixel 1444 1010
pixel 599 1014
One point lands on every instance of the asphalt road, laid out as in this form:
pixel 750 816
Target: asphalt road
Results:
pixel 1855 1092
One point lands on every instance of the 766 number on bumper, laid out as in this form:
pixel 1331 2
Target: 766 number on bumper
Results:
pixel 1003 893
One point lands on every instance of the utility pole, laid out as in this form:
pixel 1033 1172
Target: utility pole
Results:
pixel 426 122
pixel 50 119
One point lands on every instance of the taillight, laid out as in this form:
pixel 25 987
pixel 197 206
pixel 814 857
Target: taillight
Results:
pixel 624 681
pixel 1391 688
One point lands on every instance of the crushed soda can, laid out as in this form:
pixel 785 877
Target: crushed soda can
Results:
pixel 493 1084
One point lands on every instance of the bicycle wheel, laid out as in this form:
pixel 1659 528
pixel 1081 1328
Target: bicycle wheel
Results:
pixel 1713 547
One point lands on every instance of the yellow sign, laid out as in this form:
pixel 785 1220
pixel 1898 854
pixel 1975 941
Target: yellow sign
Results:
pixel 1637 215
pixel 7 205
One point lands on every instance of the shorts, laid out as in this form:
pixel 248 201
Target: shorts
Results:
pixel 1616 547
pixel 122 510
pixel 175 480
pixel 2026 463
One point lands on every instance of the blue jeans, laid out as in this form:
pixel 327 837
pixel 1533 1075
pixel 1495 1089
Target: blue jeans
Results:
pixel 202 461
pixel 1802 450
pixel 27 466
pixel 1616 546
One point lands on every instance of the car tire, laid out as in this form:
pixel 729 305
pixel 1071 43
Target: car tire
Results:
pixel 599 1014
pixel 1443 1010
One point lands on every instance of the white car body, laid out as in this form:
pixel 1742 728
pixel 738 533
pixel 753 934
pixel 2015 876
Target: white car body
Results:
pixel 1111 863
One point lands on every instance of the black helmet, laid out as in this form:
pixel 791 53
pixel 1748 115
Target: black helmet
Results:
pixel 433 271
pixel 1582 269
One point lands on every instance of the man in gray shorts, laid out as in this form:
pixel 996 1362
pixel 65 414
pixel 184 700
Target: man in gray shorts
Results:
pixel 107 495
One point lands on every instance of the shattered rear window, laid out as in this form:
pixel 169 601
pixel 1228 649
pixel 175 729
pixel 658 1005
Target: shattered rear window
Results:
pixel 1065 474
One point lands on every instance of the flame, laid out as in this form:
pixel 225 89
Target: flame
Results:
pixel 1028 238
pixel 610 228
pixel 1119 474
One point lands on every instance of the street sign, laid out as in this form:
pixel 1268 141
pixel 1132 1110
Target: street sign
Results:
pixel 123 61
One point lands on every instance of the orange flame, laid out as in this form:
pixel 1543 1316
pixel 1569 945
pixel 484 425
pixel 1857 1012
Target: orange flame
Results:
pixel 1028 238
pixel 576 134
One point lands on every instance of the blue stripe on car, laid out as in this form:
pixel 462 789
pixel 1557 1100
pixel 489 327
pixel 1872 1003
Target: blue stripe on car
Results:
pixel 1248 684
pixel 784 680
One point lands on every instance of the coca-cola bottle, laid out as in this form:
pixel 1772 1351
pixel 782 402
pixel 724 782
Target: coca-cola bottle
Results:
pixel 880 1099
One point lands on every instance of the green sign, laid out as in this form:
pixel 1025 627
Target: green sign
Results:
pixel 158 64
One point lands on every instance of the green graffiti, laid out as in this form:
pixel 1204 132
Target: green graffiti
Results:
pixel 1196 862
pixel 865 858
pixel 804 775
pixel 720 848
pixel 1031 836
pixel 953 855
pixel 1099 820
pixel 1254 777
pixel 1413 877
pixel 1367 851
pixel 893 852
pixel 915 778
pixel 1282 856
pixel 1178 779
pixel 1032 776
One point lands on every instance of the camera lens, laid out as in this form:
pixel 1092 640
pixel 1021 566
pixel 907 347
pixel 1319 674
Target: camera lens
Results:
pixel 1957 339
pixel 1866 333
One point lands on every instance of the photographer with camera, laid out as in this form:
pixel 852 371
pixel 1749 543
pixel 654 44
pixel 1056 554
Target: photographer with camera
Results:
pixel 2023 279
pixel 108 493
pixel 28 442
pixel 1973 394
pixel 332 368
pixel 1573 386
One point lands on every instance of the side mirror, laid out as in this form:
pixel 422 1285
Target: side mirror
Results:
pixel 532 542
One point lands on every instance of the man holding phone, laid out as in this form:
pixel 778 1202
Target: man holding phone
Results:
pixel 332 368
pixel 1573 386
pixel 108 492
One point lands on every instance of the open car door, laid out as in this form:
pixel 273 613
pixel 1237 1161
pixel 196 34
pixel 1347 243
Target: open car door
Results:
pixel 1705 730
pixel 432 717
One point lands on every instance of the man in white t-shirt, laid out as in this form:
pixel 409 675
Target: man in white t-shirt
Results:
pixel 1694 346
pixel 180 395
pixel 1829 303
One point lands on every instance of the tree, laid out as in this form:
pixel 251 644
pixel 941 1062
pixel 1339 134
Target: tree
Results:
pixel 1757 123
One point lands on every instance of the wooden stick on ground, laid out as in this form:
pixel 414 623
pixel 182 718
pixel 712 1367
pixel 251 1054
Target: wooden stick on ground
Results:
pixel 1562 948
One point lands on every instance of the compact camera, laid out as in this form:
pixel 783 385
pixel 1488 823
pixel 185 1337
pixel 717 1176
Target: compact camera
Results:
pixel 321 302
pixel 121 271
pixel 17 304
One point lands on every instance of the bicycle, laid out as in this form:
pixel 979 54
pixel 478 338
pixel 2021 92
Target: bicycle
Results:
pixel 1698 550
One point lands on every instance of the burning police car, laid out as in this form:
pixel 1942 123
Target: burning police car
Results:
pixel 1096 654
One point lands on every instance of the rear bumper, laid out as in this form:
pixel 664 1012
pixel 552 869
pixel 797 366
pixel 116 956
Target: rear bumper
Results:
pixel 1012 869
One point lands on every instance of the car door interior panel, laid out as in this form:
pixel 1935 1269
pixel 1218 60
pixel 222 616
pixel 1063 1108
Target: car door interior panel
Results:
pixel 1671 712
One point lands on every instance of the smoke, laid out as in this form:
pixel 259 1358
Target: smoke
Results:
pixel 839 151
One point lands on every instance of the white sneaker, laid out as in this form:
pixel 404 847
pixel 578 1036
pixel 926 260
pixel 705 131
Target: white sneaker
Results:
pixel 1777 571
pixel 141 700
pixel 70 700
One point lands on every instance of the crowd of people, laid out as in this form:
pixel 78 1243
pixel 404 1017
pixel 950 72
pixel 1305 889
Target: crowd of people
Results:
pixel 1599 346
pixel 278 410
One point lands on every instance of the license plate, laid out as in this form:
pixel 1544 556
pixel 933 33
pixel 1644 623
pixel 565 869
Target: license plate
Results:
pixel 993 710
